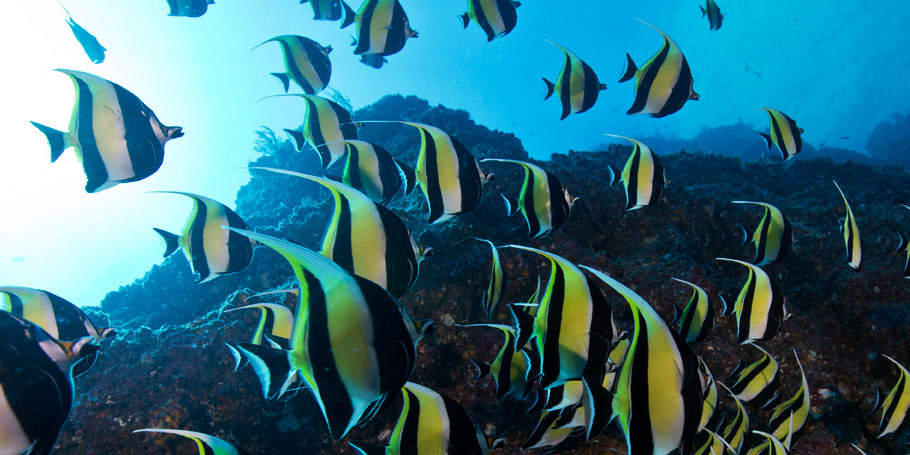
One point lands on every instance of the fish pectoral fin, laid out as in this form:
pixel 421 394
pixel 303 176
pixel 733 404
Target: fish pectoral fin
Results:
pixel 631 69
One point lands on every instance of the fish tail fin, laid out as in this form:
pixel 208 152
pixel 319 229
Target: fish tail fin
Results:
pixel 239 360
pixel 349 15
pixel 767 139
pixel 171 241
pixel 409 175
pixel 551 87
pixel 745 234
pixel 299 140
pixel 285 80
pixel 631 69
pixel 903 242
pixel 483 368
pixel 272 367
pixel 702 8
pixel 365 448
pixel 511 204
pixel 55 138
pixel 465 19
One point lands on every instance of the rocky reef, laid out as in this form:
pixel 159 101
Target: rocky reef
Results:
pixel 169 366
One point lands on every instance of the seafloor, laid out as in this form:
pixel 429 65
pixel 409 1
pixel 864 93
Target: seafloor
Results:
pixel 169 366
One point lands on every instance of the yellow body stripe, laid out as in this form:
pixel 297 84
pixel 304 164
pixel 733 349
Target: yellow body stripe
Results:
pixel 36 307
pixel 903 402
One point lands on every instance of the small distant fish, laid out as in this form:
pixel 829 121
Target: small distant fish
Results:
pixel 759 308
pixel 189 8
pixel 331 10
pixel 658 397
pixel 325 126
pixel 894 408
pixel 643 176
pixel 577 86
pixel 851 235
pixel 382 30
pixel 756 383
pixel 60 318
pixel 736 431
pixel 211 250
pixel 664 83
pixel 789 418
pixel 496 17
pixel 696 318
pixel 372 170
pixel 493 295
pixel 117 137
pixel 715 18
pixel 544 202
pixel 430 423
pixel 208 445
pixel 773 237
pixel 18 259
pixel 904 246
pixel 306 63
pixel 274 329
pixel 784 134
pixel 367 239
pixel 353 343
pixel 90 44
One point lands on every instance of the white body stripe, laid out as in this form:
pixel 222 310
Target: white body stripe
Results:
pixel 13 440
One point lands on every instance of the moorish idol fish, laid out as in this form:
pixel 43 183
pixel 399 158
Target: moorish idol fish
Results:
pixel 708 442
pixel 116 136
pixel 709 392
pixel 643 177
pixel 210 249
pixel 353 343
pixel 430 423
pixel 568 427
pixel 697 318
pixel 784 134
pixel 736 431
pixel 573 325
pixel 715 18
pixel 372 170
pixel 759 308
pixel 577 86
pixel 306 63
pixel 789 418
pixel 658 397
pixel 771 446
pixel 90 44
pixel 368 239
pixel 516 366
pixel 325 126
pixel 382 30
pixel 60 318
pixel 275 324
pixel 664 83
pixel 756 383
pixel 331 10
pixel 773 236
pixel 544 202
pixel 493 295
pixel 189 8
pixel 905 248
pixel 36 386
pixel 851 235
pixel 207 444
pixel 496 17
pixel 894 408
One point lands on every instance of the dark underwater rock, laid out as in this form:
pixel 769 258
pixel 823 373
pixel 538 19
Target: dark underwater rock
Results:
pixel 169 366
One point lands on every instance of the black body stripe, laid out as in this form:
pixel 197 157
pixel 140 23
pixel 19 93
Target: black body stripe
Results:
pixel 345 122
pixel 207 449
pixel 565 92
pixel 529 212
pixel 16 306
pixel 787 240
pixel 640 437
pixel 92 163
pixel 482 20
pixel 794 132
pixel 145 150
pixel 685 324
pixel 354 179
pixel 320 61
pixel 775 313
pixel 240 249
pixel 643 91
pixel 680 93
pixel 400 259
pixel 559 207
pixel 388 173
pixel 316 135
pixel 744 379
pixel 396 354
pixel 745 316
pixel 504 380
pixel 550 354
pixel 464 436
pixel 398 32
pixel 632 184
pixel 762 245
pixel 657 179
pixel 542 426
pixel 592 88
pixel 508 14
pixel 691 392
pixel 601 331
pixel 69 318
pixel 197 240
pixel 434 192
pixel 342 252
pixel 468 177
pixel 778 135
pixel 268 325
pixel 294 67
pixel 364 40
pixel 888 414
pixel 411 428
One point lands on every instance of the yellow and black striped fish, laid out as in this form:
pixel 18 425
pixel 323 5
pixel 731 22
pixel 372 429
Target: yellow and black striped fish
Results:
pixel 715 18
pixel 576 86
pixel 773 237
pixel 736 431
pixel 430 423
pixel 353 343
pixel 382 30
pixel 904 247
pixel 582 413
pixel 784 134
pixel 851 235
pixel 90 44
pixel 573 325
pixel 658 397
pixel 664 83
pixel 759 308
pixel 708 442
pixel 117 137
pixel 306 63
pixel 275 324
pixel 496 17
pixel 643 176
pixel 789 418
pixel 771 446
pixel 368 239
pixel 210 249
pixel 709 394
pixel 207 444
pixel 59 317
pixel 372 170
pixel 516 366
pixel 332 10
pixel 493 295
pixel 189 8
pixel 697 318
pixel 894 408
pixel 756 383
pixel 544 202
pixel 326 125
